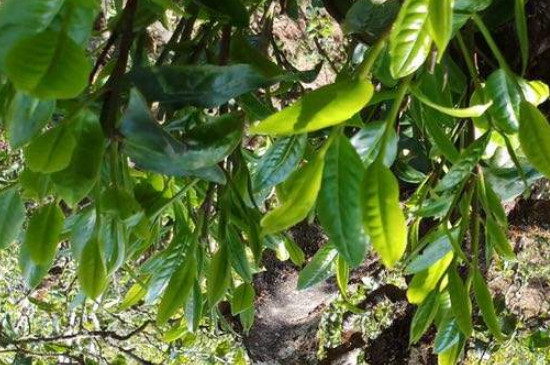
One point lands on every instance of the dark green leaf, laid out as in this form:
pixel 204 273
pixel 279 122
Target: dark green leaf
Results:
pixel 485 302
pixel 232 10
pixel 26 117
pixel 12 212
pixel 52 151
pixel 433 253
pixel 423 317
pixel 43 233
pixel 534 137
pixel 370 17
pixel 505 93
pixel 460 302
pixel 219 275
pixel 243 298
pixel 319 268
pixel 448 335
pixel 177 291
pixel 92 272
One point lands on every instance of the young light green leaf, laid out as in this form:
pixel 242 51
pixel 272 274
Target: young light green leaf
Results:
pixel 464 166
pixel 410 40
pixel 297 256
pixel 425 281
pixel 12 212
pixel 177 291
pixel 470 112
pixel 536 92
pixel 322 108
pixel 92 272
pixel 342 276
pixel 319 268
pixel 133 296
pixel 383 219
pixel 43 233
pixel 440 24
pixel 49 65
pixel 304 184
pixel 26 117
pixel 424 316
pixel 219 275
pixel 339 209
pixel 534 137
pixel 460 301
pixel 243 298
pixel 52 151
pixel 485 302
pixel 505 93
pixel 279 162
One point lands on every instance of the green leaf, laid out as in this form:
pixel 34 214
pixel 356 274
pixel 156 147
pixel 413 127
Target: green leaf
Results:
pixel 383 219
pixel 278 163
pixel 435 251
pixel 177 291
pixel 319 268
pixel 92 272
pixel 78 179
pixel 219 275
pixel 242 51
pixel 460 302
pixel 425 281
pixel 133 296
pixel 328 106
pixel 243 298
pixel 536 92
pixel 12 212
pixel 35 185
pixel 205 86
pixel 534 137
pixel 52 151
pixel 43 233
pixel 471 112
pixel 499 240
pixel 371 18
pixel 522 32
pixel 120 203
pixel 448 335
pixel 154 149
pixel 31 272
pixel 424 316
pixel 237 255
pixel 439 137
pixel 232 10
pixel 304 185
pixel 297 256
pixel 368 143
pixel 410 40
pixel 26 117
pixel 342 276
pixel 339 209
pixel 49 65
pixel 462 169
pixel 505 93
pixel 485 302
pixel 440 24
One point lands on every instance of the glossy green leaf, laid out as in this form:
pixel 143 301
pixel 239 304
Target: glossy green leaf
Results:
pixel 243 298
pixel 278 163
pixel 505 93
pixel 177 291
pixel 424 316
pixel 536 92
pixel 338 209
pixel 204 86
pixel 52 151
pixel 92 272
pixel 218 276
pixel 485 303
pixel 434 252
pixel 305 184
pixel 368 143
pixel 26 118
pixel 460 302
pixel 383 218
pixel 410 40
pixel 425 281
pixel 319 268
pixel 49 65
pixel 78 179
pixel 462 169
pixel 440 24
pixel 43 233
pixel 330 105
pixel 534 137
pixel 153 148
pixel 470 112
pixel 448 335
pixel 12 212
